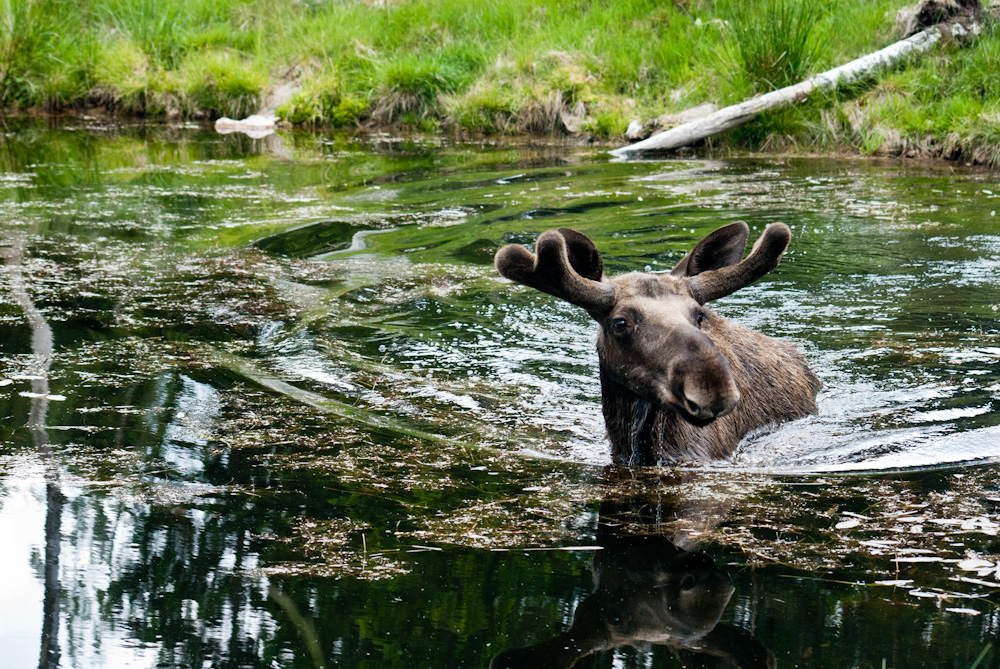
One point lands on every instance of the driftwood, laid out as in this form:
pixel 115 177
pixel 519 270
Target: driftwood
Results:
pixel 734 115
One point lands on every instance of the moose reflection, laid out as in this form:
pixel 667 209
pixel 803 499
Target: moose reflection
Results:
pixel 677 380
pixel 648 591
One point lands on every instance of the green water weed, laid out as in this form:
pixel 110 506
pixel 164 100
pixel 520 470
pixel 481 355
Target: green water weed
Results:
pixel 982 655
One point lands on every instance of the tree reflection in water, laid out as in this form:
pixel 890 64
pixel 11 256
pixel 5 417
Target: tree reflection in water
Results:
pixel 38 370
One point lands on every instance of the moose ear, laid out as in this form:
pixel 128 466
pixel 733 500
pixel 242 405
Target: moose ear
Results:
pixel 583 255
pixel 721 248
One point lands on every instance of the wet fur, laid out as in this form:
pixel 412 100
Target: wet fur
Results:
pixel 757 363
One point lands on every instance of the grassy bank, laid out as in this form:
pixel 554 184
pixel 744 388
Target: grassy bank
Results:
pixel 511 67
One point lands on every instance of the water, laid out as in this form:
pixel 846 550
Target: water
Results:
pixel 266 403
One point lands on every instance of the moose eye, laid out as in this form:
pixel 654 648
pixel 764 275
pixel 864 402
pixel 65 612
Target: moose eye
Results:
pixel 701 317
pixel 620 327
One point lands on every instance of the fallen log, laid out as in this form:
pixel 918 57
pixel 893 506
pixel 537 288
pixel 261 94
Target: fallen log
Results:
pixel 734 115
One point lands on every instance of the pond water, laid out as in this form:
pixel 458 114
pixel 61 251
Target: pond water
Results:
pixel 267 404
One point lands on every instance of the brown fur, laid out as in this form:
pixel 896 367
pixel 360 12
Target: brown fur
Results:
pixel 677 380
pixel 775 385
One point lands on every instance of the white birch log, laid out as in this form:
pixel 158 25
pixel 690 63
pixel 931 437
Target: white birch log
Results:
pixel 734 115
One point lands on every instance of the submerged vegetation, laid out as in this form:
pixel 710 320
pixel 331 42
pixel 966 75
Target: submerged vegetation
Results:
pixel 510 67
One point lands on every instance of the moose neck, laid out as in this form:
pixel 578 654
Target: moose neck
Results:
pixel 629 420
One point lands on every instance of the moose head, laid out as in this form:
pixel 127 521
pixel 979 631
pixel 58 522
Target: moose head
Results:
pixel 651 338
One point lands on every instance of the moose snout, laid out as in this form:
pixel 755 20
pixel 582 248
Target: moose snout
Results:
pixel 705 389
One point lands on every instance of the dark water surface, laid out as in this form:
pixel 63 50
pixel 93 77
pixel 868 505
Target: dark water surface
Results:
pixel 266 404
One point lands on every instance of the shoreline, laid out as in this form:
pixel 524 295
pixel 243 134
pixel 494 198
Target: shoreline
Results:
pixel 101 118
pixel 589 71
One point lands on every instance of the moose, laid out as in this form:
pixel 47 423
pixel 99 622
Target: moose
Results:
pixel 678 381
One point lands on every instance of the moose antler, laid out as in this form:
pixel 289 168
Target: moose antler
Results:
pixel 766 253
pixel 565 264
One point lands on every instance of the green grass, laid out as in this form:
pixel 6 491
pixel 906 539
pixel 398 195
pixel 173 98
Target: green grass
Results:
pixel 774 43
pixel 222 83
pixel 323 100
pixel 506 67
pixel 27 46
pixel 120 75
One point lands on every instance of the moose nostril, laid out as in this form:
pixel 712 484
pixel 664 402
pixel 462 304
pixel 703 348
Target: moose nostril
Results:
pixel 695 408
pixel 716 409
pixel 724 405
pixel 699 411
pixel 721 409
pixel 690 404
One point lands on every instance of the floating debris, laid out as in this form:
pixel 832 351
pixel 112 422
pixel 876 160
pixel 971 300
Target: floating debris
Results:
pixel 965 612
pixel 848 524
pixel 255 126
pixel 43 396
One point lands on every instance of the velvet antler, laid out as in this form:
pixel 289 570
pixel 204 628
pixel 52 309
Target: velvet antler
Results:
pixel 565 264
pixel 713 284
